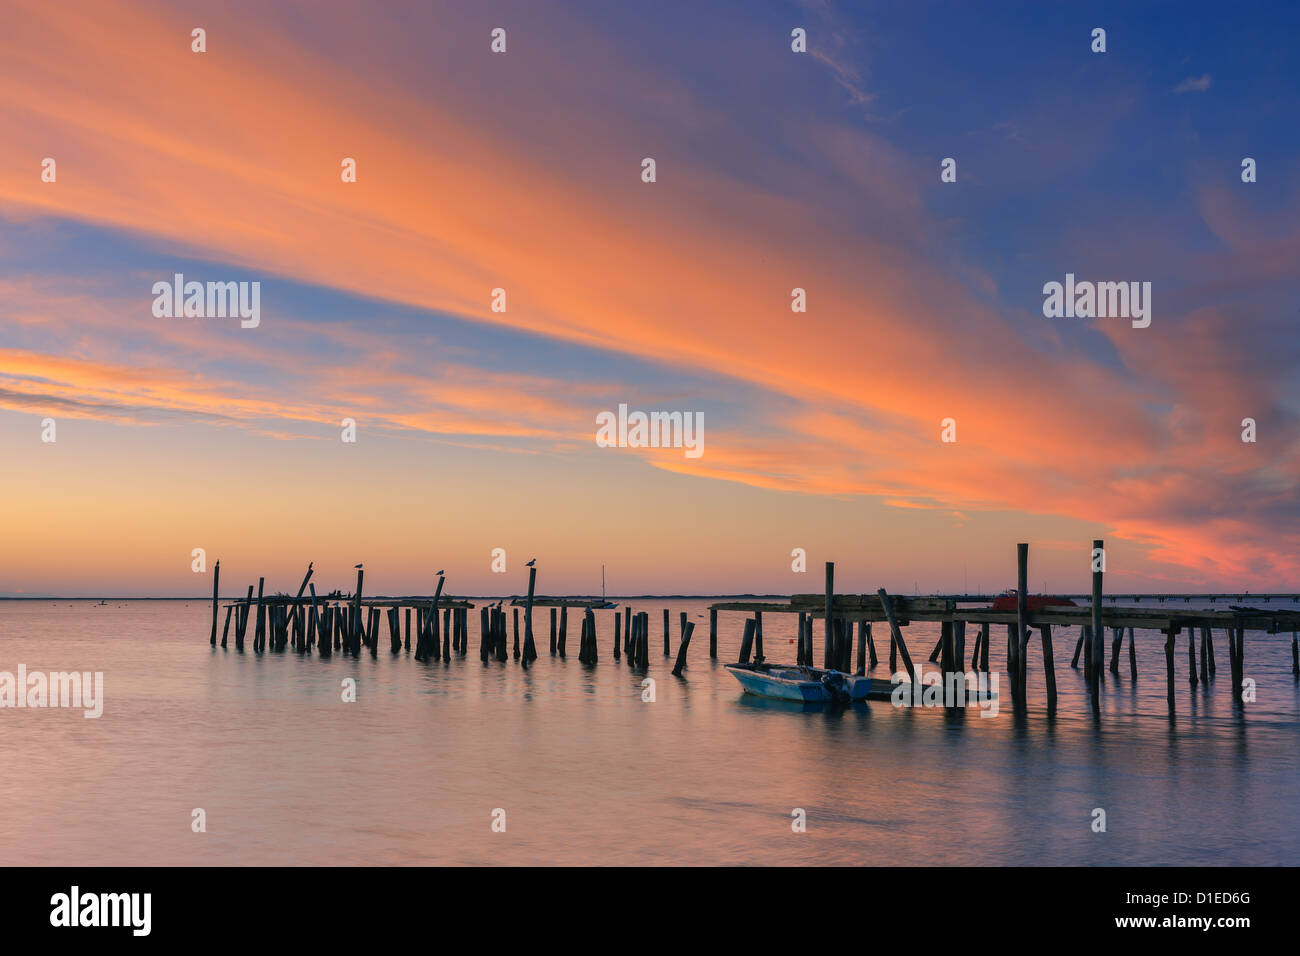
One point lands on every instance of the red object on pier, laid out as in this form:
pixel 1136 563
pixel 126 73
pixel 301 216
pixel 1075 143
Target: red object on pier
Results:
pixel 1033 602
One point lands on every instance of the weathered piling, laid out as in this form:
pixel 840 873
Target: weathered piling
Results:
pixel 1022 626
pixel 1116 645
pixel 618 634
pixel 1191 656
pixel 713 634
pixel 530 648
pixel 216 584
pixel 747 641
pixel 861 669
pixel 517 650
pixel 242 624
pixel 564 628
pixel 1049 667
pixel 1098 631
pixel 259 633
pixel 666 630
pixel 758 636
pixel 1133 659
pixel 594 650
pixel 827 657
pixel 554 618
pixel 895 636
pixel 799 657
pixel 871 647
pixel 225 629
pixel 1295 654
pixel 1082 643
pixel 1169 666
pixel 643 659
pixel 687 630
pixel 1205 654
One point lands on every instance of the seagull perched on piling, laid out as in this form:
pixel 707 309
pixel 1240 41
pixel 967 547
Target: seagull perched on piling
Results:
pixel 357 566
pixel 531 563
pixel 440 572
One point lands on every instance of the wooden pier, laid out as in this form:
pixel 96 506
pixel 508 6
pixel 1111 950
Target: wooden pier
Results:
pixel 348 624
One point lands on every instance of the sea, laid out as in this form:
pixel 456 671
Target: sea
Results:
pixel 207 756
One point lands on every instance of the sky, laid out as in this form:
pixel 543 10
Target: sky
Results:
pixel 522 170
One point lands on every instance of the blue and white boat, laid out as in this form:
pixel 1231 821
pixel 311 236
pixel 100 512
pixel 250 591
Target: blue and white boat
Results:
pixel 809 684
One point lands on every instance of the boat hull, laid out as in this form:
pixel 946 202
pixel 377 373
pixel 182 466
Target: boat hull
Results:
pixel 794 683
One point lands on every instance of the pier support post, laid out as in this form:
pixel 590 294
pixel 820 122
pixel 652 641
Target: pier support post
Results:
pixel 1098 633
pixel 667 650
pixel 1132 657
pixel 1116 645
pixel 758 636
pixel 861 669
pixel 896 636
pixel 259 632
pixel 681 650
pixel 216 584
pixel 564 628
pixel 1022 624
pixel 530 648
pixel 1049 667
pixel 747 642
pixel 1191 656
pixel 553 634
pixel 1169 666
pixel 827 659
pixel 713 634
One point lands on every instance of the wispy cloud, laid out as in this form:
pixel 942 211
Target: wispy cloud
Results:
pixel 1194 84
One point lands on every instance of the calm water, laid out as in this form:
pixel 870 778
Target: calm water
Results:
pixel 588 773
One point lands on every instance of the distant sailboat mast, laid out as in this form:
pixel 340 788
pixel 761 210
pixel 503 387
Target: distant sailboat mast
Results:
pixel 602 584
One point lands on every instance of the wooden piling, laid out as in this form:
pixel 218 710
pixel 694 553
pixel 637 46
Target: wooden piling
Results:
pixel 1295 654
pixel 1116 645
pixel 1022 625
pixel 530 648
pixel 564 628
pixel 666 650
pixel 896 636
pixel 1133 659
pixel 1049 667
pixel 516 648
pixel 687 631
pixel 226 628
pixel 1098 632
pixel 984 647
pixel 871 647
pixel 554 619
pixel 1080 645
pixel 758 636
pixel 1191 656
pixel 216 585
pixel 861 669
pixel 1169 666
pixel 827 659
pixel 713 633
pixel 1205 655
pixel 259 634
pixel 747 641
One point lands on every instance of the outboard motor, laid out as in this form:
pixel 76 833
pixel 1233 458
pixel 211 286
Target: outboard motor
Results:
pixel 833 682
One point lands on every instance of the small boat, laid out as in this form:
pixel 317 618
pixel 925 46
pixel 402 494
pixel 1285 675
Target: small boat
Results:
pixel 790 682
